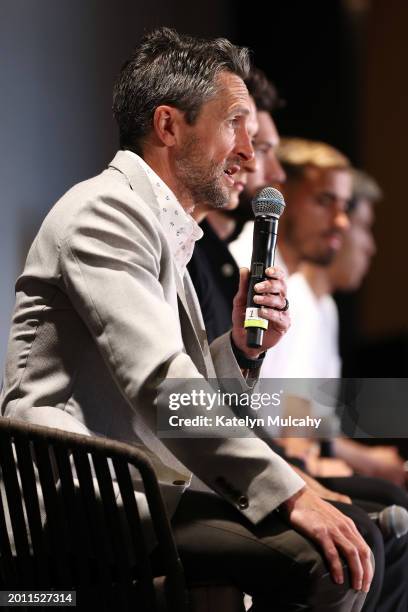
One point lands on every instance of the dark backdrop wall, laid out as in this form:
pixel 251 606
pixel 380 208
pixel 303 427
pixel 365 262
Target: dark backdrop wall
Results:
pixel 307 49
pixel 341 66
pixel 384 148
pixel 58 61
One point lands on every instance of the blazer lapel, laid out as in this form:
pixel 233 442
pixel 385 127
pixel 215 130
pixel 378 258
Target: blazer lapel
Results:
pixel 189 329
pixel 192 330
pixel 137 178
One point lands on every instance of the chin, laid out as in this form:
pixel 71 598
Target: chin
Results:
pixel 233 203
pixel 219 198
pixel 353 284
pixel 320 259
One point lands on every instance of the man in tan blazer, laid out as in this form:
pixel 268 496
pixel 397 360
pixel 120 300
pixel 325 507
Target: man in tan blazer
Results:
pixel 107 325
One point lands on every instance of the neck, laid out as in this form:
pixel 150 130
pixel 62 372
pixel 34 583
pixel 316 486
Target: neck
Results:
pixel 222 224
pixel 199 213
pixel 289 256
pixel 159 161
pixel 317 277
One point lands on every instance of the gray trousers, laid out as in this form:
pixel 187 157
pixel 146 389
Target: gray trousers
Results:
pixel 280 568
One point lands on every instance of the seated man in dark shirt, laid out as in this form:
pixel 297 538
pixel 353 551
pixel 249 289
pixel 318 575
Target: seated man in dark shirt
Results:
pixel 213 270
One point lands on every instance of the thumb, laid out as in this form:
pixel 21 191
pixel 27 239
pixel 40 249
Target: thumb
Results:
pixel 241 296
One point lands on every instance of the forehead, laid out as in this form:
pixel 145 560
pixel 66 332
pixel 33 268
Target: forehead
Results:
pixel 363 214
pixel 231 95
pixel 267 131
pixel 252 121
pixel 336 181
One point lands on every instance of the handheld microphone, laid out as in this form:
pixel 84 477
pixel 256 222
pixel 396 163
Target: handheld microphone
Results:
pixel 392 521
pixel 268 206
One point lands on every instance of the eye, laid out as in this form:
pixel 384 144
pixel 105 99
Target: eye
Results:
pixel 261 148
pixel 324 199
pixel 233 122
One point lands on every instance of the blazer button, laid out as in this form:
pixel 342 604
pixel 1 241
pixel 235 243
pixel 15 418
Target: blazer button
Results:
pixel 243 502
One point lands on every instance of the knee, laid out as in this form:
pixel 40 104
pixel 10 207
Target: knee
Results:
pixel 325 594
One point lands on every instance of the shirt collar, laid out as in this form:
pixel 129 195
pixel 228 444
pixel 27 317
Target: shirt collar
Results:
pixel 181 229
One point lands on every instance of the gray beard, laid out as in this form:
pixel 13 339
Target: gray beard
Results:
pixel 202 190
pixel 324 259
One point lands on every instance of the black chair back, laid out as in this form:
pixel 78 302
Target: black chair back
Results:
pixel 70 520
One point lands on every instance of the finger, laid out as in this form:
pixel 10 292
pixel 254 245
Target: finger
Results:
pixel 368 569
pixel 241 296
pixel 274 272
pixel 364 554
pixel 280 321
pixel 270 301
pixel 344 499
pixel 359 571
pixel 333 559
pixel 277 287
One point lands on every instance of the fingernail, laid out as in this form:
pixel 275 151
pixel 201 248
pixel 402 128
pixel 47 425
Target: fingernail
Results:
pixel 259 286
pixel 257 298
pixel 339 579
pixel 274 271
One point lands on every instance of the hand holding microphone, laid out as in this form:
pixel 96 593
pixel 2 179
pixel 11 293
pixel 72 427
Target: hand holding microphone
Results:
pixel 260 314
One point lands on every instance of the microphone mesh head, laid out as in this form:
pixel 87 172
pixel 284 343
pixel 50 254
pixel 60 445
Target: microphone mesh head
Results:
pixel 269 201
pixel 394 521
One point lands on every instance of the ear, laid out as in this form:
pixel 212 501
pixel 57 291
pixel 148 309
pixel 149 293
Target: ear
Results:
pixel 167 124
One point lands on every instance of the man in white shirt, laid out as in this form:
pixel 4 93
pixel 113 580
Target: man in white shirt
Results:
pixel 312 228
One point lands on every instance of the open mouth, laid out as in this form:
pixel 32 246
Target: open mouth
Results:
pixel 230 171
pixel 335 241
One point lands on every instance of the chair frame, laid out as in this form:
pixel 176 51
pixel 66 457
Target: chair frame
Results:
pixel 38 552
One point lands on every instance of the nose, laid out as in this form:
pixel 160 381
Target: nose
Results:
pixel 274 173
pixel 243 145
pixel 251 165
pixel 341 220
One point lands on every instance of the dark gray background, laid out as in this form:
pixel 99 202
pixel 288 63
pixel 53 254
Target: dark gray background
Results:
pixel 341 65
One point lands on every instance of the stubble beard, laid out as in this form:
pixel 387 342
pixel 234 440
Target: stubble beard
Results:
pixel 201 186
pixel 316 257
pixel 320 259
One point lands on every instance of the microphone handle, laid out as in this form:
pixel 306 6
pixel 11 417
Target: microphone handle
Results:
pixel 263 256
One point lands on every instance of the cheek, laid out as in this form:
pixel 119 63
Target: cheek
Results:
pixel 355 258
pixel 307 222
pixel 321 220
pixel 234 201
pixel 215 144
pixel 226 142
pixel 257 178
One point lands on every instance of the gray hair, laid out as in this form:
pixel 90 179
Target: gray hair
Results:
pixel 364 188
pixel 173 69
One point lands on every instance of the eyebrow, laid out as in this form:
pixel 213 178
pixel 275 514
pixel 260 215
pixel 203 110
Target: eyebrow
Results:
pixel 328 194
pixel 333 198
pixel 241 110
pixel 265 143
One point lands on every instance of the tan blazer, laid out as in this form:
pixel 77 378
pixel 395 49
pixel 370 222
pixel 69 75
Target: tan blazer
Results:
pixel 102 332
